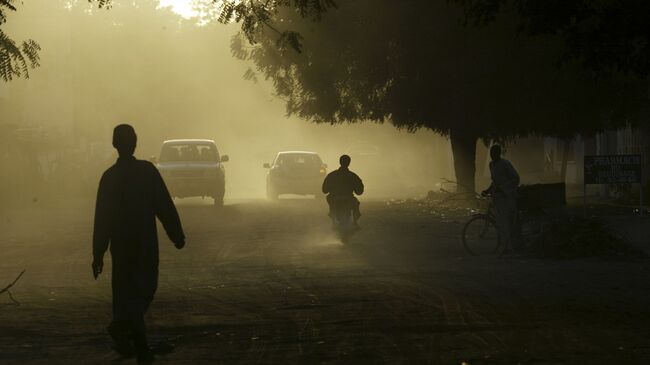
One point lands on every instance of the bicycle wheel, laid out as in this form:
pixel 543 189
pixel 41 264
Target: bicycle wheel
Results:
pixel 530 228
pixel 480 236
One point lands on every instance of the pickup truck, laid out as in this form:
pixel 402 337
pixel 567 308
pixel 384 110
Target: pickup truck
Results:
pixel 193 168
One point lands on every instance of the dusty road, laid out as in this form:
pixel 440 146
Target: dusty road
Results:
pixel 269 283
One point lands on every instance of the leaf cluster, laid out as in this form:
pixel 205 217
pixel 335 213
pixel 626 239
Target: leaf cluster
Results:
pixel 4 6
pixel 106 4
pixel 15 59
pixel 606 36
pixel 257 16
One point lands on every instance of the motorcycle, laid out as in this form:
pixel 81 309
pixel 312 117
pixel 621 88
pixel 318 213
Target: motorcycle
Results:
pixel 342 218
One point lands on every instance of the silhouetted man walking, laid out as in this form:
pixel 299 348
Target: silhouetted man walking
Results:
pixel 503 189
pixel 131 195
pixel 343 183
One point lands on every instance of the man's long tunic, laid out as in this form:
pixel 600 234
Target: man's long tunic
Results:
pixel 131 195
pixel 505 181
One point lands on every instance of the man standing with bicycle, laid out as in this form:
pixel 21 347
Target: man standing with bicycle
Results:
pixel 503 190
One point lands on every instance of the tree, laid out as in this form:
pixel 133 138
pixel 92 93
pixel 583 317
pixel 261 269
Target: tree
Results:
pixel 605 36
pixel 15 59
pixel 414 65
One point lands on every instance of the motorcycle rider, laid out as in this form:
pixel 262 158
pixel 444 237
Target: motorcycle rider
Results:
pixel 343 184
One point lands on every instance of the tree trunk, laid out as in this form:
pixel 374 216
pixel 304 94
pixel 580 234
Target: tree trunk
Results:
pixel 463 147
pixel 482 154
pixel 565 159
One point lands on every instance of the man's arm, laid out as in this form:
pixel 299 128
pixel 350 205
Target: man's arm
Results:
pixel 326 184
pixel 514 174
pixel 166 211
pixel 358 185
pixel 490 189
pixel 102 226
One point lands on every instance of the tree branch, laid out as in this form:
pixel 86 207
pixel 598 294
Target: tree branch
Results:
pixel 6 289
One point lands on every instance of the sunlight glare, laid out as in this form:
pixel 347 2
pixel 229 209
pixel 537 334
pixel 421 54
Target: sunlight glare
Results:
pixel 180 7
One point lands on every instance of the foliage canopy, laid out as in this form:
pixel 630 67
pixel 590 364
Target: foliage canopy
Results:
pixel 606 36
pixel 15 59
pixel 415 65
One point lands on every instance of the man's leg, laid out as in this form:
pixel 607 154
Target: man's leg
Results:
pixel 140 341
pixel 122 336
pixel 120 329
pixel 128 328
pixel 356 210
pixel 514 224
pixel 330 204
pixel 504 222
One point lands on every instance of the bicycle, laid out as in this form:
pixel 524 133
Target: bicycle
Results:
pixel 480 234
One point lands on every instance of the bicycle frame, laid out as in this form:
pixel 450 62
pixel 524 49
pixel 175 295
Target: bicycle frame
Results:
pixel 521 216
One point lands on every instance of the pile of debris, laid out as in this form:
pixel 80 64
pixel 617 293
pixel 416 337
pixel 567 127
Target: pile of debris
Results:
pixel 447 206
pixel 582 237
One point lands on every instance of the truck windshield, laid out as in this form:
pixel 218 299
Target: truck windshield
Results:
pixel 189 152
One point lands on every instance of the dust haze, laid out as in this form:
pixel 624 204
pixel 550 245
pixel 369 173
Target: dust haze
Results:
pixel 248 279
pixel 170 78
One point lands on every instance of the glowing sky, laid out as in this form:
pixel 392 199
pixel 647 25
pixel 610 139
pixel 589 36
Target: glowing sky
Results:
pixel 181 7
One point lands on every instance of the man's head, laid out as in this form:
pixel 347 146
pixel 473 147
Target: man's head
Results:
pixel 124 139
pixel 345 161
pixel 495 152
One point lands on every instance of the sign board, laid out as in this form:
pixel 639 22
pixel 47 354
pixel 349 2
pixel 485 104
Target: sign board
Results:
pixel 613 169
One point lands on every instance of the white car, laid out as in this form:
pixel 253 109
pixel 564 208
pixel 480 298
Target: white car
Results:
pixel 193 168
pixel 295 172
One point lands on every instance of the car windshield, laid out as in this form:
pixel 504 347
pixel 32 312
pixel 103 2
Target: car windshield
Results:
pixel 299 160
pixel 189 152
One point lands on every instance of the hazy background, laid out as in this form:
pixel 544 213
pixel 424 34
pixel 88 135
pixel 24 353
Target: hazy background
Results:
pixel 170 78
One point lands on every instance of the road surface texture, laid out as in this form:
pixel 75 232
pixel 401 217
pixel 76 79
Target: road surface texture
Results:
pixel 269 283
